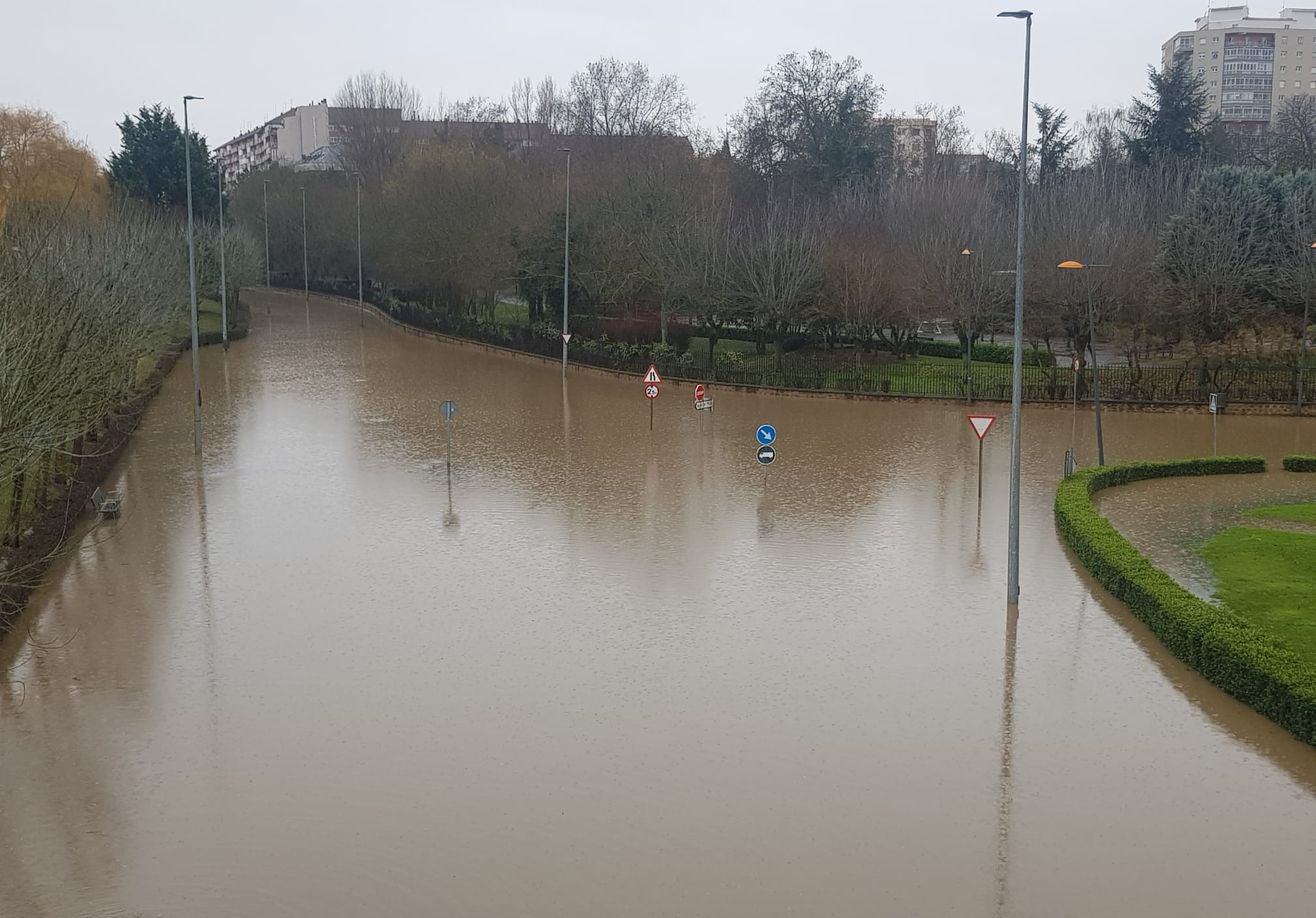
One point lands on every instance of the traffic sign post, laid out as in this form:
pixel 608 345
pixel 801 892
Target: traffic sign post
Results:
pixel 981 424
pixel 449 411
pixel 766 435
pixel 703 401
pixel 651 393
pixel 1213 406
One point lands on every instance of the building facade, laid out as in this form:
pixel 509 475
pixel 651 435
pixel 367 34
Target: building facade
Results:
pixel 295 137
pixel 1249 65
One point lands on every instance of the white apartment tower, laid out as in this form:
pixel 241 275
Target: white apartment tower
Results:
pixel 1249 65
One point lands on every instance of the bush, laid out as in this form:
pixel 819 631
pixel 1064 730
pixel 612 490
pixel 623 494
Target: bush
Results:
pixel 1300 463
pixel 1232 653
pixel 983 352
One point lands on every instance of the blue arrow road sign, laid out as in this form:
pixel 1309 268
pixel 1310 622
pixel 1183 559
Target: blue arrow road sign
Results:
pixel 767 434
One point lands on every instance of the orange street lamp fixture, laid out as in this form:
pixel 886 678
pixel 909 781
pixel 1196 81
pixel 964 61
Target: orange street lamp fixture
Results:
pixel 1092 345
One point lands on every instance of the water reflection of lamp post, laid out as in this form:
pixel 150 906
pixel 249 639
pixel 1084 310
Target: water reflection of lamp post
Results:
pixel 223 276
pixel 1092 346
pixel 1017 383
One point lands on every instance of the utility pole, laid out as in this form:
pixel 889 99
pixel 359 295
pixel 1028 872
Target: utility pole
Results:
pixel 306 270
pixel 265 201
pixel 1017 399
pixel 566 263
pixel 191 279
pixel 360 284
pixel 223 276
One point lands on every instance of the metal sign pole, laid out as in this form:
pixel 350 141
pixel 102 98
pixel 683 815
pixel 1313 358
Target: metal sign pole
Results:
pixel 980 472
pixel 651 414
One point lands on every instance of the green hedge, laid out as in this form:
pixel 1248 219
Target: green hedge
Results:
pixel 1300 463
pixel 984 352
pixel 1231 652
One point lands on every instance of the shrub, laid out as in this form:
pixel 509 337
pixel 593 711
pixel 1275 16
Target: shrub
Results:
pixel 984 352
pixel 1231 652
pixel 1300 463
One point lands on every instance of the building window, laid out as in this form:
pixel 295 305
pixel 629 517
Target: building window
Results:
pixel 1214 68
pixel 1215 55
pixel 1281 85
pixel 1213 98
pixel 1216 40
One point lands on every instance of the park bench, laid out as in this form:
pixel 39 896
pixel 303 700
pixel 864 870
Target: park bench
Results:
pixel 106 503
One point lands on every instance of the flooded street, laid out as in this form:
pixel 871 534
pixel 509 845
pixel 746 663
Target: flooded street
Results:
pixel 615 672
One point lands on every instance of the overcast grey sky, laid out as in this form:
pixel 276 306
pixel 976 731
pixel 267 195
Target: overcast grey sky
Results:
pixel 89 61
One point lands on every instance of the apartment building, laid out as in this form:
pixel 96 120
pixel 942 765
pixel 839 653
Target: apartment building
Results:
pixel 913 142
pixel 1249 65
pixel 295 137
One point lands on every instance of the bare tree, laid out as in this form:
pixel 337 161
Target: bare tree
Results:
pixel 550 108
pixel 372 107
pixel 776 263
pixel 615 98
pixel 1295 133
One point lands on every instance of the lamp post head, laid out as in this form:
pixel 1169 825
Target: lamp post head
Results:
pixel 192 98
pixel 1015 14
pixel 1071 265
pixel 967 252
pixel 564 149
pixel 1313 245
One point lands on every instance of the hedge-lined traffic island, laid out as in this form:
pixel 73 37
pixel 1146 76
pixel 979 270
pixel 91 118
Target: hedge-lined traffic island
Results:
pixel 1231 652
pixel 1300 463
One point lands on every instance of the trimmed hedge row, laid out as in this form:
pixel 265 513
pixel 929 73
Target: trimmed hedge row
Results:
pixel 1230 651
pixel 1300 463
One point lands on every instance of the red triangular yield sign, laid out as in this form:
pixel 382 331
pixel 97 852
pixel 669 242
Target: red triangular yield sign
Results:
pixel 566 337
pixel 982 423
pixel 651 375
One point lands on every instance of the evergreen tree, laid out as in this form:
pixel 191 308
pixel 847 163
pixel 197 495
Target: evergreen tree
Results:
pixel 1170 123
pixel 150 164
pixel 1054 150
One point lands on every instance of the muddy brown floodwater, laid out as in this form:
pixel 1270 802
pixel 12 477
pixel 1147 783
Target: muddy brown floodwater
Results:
pixel 610 672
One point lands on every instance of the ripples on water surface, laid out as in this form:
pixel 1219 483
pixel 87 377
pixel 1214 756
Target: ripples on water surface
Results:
pixel 615 672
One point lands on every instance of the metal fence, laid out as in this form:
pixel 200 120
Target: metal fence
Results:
pixel 1187 382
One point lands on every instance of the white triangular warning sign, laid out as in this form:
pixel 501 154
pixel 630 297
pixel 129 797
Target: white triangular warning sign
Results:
pixel 651 375
pixel 982 423
pixel 566 337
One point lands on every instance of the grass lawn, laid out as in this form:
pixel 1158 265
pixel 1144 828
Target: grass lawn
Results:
pixel 1289 513
pixel 511 314
pixel 699 347
pixel 1268 577
pixel 207 320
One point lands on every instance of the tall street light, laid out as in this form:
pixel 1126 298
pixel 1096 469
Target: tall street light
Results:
pixel 223 276
pixel 306 270
pixel 1306 323
pixel 1017 388
pixel 566 262
pixel 191 279
pixel 265 202
pixel 968 357
pixel 1092 346
pixel 360 283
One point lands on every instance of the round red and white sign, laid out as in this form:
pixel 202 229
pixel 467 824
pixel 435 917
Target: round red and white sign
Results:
pixel 651 391
pixel 699 392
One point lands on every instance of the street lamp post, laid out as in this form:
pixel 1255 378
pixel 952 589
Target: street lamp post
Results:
pixel 265 203
pixel 306 270
pixel 360 284
pixel 1017 392
pixel 191 279
pixel 566 262
pixel 1306 323
pixel 223 276
pixel 1091 346
pixel 968 357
